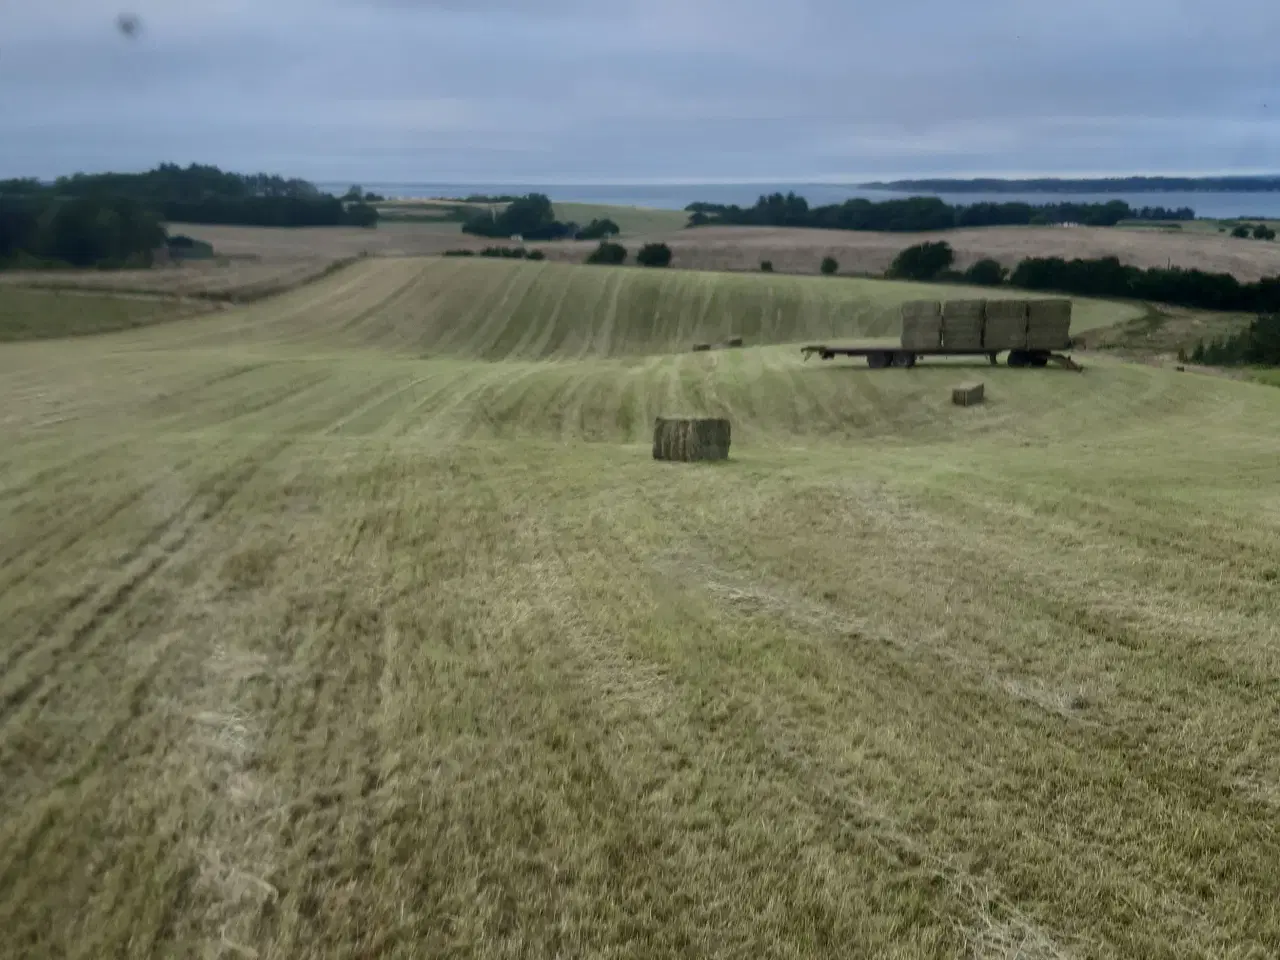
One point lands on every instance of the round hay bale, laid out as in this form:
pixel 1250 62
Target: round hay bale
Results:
pixel 687 439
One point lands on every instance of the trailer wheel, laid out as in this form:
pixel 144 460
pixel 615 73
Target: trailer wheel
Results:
pixel 1038 360
pixel 994 358
pixel 904 359
pixel 1017 358
pixel 877 360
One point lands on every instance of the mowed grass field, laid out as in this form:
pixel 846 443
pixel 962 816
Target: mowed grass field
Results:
pixel 41 314
pixel 360 622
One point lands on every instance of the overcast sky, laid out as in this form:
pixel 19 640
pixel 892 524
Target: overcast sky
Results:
pixel 642 90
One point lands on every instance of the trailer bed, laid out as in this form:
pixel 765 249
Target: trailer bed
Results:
pixel 879 357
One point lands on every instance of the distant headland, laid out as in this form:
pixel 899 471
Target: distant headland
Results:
pixel 1228 184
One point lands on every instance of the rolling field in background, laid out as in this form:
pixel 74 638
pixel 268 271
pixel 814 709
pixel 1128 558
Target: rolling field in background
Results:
pixel 361 622
pixel 27 314
pixel 800 250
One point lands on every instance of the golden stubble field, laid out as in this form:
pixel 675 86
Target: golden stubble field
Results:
pixel 351 624
pixel 801 250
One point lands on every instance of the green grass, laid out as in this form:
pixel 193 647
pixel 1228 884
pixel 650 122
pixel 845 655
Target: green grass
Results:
pixel 633 221
pixel 509 310
pixel 41 314
pixel 361 622
pixel 1194 226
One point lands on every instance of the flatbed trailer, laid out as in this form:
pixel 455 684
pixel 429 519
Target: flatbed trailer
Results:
pixel 879 358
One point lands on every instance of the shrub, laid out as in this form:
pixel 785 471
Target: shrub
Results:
pixel 654 255
pixel 830 267
pixel 537 255
pixel 599 230
pixel 1241 231
pixel 360 215
pixel 766 266
pixel 1263 232
pixel 608 253
pixel 459 253
pixel 986 273
pixel 1259 344
pixel 924 261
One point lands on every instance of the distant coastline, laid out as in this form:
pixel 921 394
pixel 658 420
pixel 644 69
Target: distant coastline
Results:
pixel 1269 183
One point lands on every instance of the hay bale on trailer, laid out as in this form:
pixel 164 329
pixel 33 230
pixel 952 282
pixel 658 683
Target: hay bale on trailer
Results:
pixel 1006 327
pixel 968 394
pixel 687 439
pixel 922 324
pixel 962 323
pixel 1049 325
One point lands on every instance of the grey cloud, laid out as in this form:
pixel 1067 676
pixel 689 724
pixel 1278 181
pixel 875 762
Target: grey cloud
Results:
pixel 500 89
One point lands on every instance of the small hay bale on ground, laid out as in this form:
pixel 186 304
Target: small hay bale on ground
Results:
pixel 701 347
pixel 733 342
pixel 968 394
pixel 687 439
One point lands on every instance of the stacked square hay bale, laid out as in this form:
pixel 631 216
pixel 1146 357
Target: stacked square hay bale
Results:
pixel 1049 325
pixel 687 439
pixel 1006 325
pixel 962 322
pixel 922 324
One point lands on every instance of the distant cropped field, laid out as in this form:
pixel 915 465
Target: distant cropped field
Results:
pixel 44 314
pixel 242 280
pixel 361 622
pixel 802 250
pixel 633 221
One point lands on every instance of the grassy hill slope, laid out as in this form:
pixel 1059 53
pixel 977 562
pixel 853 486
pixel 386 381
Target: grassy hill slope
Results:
pixel 514 310
pixel 361 621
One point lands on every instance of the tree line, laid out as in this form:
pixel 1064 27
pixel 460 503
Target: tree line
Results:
pixel 1101 277
pixel 916 214
pixel 200 193
pixel 38 230
pixel 533 217
pixel 117 219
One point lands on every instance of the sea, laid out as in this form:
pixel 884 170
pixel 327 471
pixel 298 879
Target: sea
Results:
pixel 677 196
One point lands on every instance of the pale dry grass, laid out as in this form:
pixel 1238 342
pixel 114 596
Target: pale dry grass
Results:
pixel 311 648
pixel 208 280
pixel 802 250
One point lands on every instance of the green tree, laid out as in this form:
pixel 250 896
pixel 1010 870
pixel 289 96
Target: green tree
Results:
pixel 830 267
pixel 986 273
pixel 1241 231
pixel 1263 232
pixel 766 266
pixel 599 230
pixel 608 253
pixel 654 255
pixel 360 215
pixel 924 261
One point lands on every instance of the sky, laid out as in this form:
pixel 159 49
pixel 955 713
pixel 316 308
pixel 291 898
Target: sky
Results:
pixel 597 91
